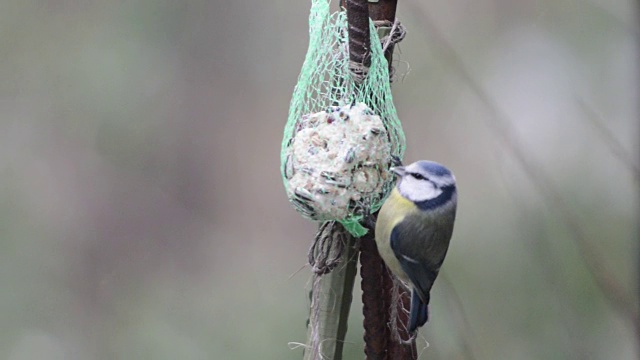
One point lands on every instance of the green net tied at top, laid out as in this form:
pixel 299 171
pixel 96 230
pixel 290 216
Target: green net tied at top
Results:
pixel 342 133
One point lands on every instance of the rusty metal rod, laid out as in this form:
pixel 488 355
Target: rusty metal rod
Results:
pixel 359 39
pixel 376 300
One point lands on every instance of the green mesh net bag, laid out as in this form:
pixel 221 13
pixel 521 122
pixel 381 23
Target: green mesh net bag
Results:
pixel 342 133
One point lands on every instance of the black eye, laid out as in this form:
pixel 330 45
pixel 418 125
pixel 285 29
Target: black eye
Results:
pixel 418 176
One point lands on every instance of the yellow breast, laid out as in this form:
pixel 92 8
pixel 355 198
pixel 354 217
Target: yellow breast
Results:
pixel 393 211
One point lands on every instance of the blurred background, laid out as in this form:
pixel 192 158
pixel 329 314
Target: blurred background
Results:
pixel 143 214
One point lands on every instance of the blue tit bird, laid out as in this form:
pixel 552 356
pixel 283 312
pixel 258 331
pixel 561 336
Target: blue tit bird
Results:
pixel 414 227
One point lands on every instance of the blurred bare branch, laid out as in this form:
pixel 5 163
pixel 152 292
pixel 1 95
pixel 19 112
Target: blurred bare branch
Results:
pixel 609 139
pixel 614 292
pixel 631 29
pixel 454 301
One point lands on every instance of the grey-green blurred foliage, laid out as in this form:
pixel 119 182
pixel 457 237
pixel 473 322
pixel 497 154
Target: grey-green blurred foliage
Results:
pixel 142 215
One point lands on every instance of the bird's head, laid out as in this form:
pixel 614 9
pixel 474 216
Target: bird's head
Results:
pixel 424 181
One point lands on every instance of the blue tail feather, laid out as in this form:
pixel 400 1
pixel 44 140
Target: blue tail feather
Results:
pixel 419 312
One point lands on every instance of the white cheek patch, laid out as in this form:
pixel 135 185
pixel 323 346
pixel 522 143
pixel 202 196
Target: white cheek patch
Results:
pixel 418 190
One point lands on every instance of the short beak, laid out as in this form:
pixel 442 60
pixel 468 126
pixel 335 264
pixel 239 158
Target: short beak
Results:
pixel 399 170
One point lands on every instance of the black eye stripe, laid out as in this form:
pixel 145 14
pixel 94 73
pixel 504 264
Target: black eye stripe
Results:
pixel 417 176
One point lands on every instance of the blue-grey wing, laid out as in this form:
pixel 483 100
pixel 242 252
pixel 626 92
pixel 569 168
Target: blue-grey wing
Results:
pixel 420 248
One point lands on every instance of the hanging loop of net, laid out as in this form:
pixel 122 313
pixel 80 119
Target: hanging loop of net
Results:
pixel 395 33
pixel 342 131
pixel 390 33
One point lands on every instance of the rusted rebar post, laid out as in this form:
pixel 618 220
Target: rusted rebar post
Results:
pixel 375 300
pixel 377 283
pixel 359 38
pixel 385 10
pixel 377 306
